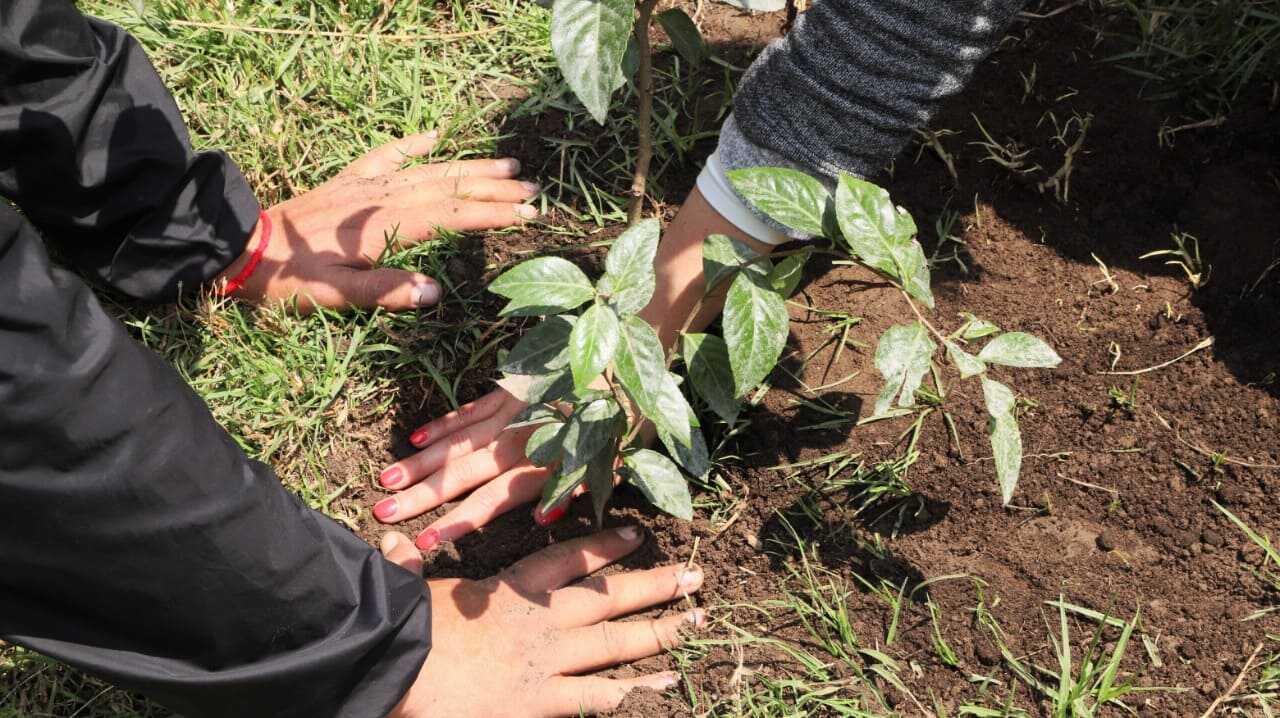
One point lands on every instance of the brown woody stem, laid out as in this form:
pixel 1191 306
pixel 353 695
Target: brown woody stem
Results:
pixel 644 121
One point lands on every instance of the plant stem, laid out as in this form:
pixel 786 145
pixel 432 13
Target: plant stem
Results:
pixel 920 316
pixel 644 121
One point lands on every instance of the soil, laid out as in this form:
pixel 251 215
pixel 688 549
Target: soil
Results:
pixel 1115 510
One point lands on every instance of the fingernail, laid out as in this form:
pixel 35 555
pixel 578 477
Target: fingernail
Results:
pixel 427 540
pixel 510 164
pixel 425 294
pixel 531 187
pixel 629 533
pixel 696 618
pixel 432 134
pixel 419 437
pixel 690 578
pixel 527 211
pixel 391 476
pixel 385 509
pixel 550 517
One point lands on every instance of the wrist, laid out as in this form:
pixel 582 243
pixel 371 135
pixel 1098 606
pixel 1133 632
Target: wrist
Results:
pixel 233 278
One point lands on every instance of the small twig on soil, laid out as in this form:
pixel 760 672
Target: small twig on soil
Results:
pixel 1235 685
pixel 644 120
pixel 1222 456
pixel 1060 181
pixel 415 37
pixel 1088 485
pixel 1204 344
pixel 1044 16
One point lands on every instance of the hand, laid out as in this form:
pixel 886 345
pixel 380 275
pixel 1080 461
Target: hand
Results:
pixel 518 643
pixel 325 244
pixel 461 451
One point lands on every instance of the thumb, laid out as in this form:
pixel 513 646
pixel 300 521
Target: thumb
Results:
pixel 398 549
pixel 393 289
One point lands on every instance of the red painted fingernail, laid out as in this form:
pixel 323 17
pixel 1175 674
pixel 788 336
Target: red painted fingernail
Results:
pixel 419 437
pixel 391 476
pixel 385 509
pixel 550 517
pixel 427 540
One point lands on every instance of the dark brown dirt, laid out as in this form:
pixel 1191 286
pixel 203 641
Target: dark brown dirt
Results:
pixel 1104 516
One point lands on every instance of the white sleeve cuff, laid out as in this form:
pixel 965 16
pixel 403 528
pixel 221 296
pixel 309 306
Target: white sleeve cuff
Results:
pixel 719 193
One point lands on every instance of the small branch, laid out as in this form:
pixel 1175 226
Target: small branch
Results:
pixel 920 316
pixel 1248 665
pixel 1204 344
pixel 644 121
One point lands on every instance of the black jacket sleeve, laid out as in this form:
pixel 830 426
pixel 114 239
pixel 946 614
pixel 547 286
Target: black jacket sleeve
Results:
pixel 137 541
pixel 94 151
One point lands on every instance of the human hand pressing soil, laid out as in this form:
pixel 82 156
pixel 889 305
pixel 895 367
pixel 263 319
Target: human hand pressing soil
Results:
pixel 324 246
pixel 523 642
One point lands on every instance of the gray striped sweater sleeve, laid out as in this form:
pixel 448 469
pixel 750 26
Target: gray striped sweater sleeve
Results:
pixel 845 89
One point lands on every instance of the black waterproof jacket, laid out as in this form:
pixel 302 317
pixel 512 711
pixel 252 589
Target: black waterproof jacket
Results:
pixel 137 541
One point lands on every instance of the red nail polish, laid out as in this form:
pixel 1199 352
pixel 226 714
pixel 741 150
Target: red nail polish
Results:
pixel 391 476
pixel 551 516
pixel 419 437
pixel 427 540
pixel 385 509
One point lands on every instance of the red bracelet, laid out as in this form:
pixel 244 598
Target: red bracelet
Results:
pixel 235 284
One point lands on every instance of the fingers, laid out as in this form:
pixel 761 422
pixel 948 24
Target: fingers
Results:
pixel 393 289
pixel 557 565
pixel 388 158
pixel 601 597
pixel 466 415
pixel 459 476
pixel 505 168
pixel 456 444
pixel 610 643
pixel 588 695
pixel 398 549
pixel 516 487
pixel 490 190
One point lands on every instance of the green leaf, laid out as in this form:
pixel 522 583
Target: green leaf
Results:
pixel 545 348
pixel 641 367
pixel 534 415
pixel 789 197
pixel 695 458
pixel 678 418
pixel 1019 349
pixel 684 35
pixel 707 358
pixel 546 285
pixel 755 328
pixel 660 481
pixel 545 446
pixel 968 364
pixel 786 276
pixel 550 387
pixel 721 257
pixel 589 38
pixel 976 328
pixel 882 235
pixel 903 357
pixel 599 480
pixel 629 279
pixel 592 344
pixel 589 430
pixel 1006 439
pixel 560 487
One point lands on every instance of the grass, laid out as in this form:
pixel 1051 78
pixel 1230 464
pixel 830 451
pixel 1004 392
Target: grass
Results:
pixel 1206 51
